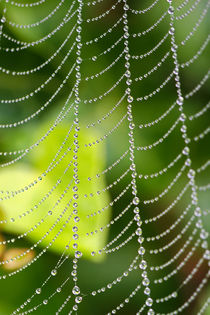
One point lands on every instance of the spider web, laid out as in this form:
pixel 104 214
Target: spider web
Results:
pixel 142 94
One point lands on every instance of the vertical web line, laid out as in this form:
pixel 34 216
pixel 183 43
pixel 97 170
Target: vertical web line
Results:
pixel 76 218
pixel 136 200
pixel 2 21
pixel 180 103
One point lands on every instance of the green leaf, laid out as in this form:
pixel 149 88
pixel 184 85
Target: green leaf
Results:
pixel 20 175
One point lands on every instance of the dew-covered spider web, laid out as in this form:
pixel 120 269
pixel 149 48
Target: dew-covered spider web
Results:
pixel 105 157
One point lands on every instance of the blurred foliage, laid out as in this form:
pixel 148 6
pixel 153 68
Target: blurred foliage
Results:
pixel 93 275
pixel 20 176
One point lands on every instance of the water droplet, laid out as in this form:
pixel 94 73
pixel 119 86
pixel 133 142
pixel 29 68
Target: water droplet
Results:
pixel 147 291
pixel 136 200
pixel 149 302
pixel 54 272
pixel 204 234
pixel 141 250
pixel 186 151
pixel 139 231
pixel 140 239
pixel 76 219
pixel 197 212
pixel 76 290
pixel 79 60
pixel 188 162
pixel 78 299
pixel 38 291
pixel 75 307
pixel 170 10
pixel 130 99
pixel 75 237
pixel 78 254
pixel 191 173
pixel 143 265
pixel 145 282
pixel 207 255
pixel 131 126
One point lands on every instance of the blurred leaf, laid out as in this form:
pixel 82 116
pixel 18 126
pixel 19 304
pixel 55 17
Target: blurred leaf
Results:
pixel 91 162
pixel 2 246
pixel 20 261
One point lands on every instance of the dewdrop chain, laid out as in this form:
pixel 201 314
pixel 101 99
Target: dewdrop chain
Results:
pixel 143 263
